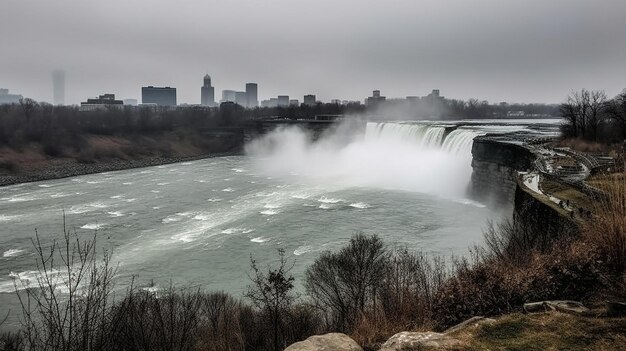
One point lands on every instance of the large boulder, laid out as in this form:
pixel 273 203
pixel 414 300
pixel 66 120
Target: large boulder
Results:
pixel 326 342
pixel 418 340
pixel 470 323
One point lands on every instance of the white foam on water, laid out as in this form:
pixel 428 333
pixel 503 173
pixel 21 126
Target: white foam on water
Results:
pixel 259 239
pixel 302 250
pixel 44 185
pixel 93 182
pixel 162 184
pixel 235 231
pixel 228 190
pixel 301 196
pixel 127 183
pixel 271 206
pixel 237 170
pixel 115 213
pixel 78 209
pixel 268 212
pixel 361 205
pixel 325 206
pixel 327 200
pixel 213 199
pixel 186 163
pixel 155 191
pixel 93 226
pixel 12 253
pixel 59 195
pixel 20 198
pixel 8 218
pixel 247 231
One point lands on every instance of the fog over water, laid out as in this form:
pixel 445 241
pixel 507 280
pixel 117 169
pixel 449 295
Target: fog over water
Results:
pixel 197 223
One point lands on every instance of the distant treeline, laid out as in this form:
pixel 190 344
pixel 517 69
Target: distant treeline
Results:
pixel 40 122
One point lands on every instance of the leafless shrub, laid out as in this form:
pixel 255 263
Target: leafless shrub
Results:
pixel 68 307
pixel 345 283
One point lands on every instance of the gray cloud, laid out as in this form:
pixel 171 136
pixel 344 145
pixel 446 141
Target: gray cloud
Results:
pixel 498 50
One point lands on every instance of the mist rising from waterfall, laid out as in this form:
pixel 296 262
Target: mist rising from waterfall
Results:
pixel 409 157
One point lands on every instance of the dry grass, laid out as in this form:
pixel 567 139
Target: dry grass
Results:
pixel 566 192
pixel 547 331
pixel 582 145
pixel 607 229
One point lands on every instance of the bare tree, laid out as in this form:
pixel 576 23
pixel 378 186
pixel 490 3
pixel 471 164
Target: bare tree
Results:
pixel 617 112
pixel 344 283
pixel 584 111
pixel 271 292
pixel 67 307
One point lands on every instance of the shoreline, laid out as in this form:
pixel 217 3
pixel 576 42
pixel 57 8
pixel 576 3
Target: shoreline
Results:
pixel 73 169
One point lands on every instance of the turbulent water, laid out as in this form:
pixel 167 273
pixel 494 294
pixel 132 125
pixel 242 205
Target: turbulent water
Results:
pixel 197 223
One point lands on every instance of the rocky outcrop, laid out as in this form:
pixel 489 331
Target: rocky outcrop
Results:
pixel 495 164
pixel 326 342
pixel 419 340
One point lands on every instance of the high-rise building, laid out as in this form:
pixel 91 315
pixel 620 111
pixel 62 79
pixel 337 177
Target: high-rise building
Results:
pixel 228 96
pixel 58 87
pixel 309 100
pixel 130 102
pixel 294 102
pixel 207 92
pixel 160 96
pixel 6 98
pixel 252 97
pixel 241 98
pixel 283 100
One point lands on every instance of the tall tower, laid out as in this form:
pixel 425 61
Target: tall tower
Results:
pixel 58 87
pixel 252 97
pixel 207 92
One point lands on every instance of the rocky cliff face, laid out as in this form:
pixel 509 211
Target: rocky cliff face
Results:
pixel 495 165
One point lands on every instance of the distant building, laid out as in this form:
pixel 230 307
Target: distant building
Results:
pixel 101 102
pixel 58 87
pixel 309 100
pixel 252 95
pixel 272 102
pixel 241 98
pixel 294 102
pixel 283 100
pixel 335 101
pixel 6 98
pixel 160 96
pixel 228 96
pixel 130 102
pixel 375 99
pixel 207 92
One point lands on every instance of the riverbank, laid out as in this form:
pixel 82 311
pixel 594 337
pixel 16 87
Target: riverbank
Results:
pixel 64 168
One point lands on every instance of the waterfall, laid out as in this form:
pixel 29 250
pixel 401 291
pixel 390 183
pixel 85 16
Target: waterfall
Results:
pixel 427 136
pixel 458 142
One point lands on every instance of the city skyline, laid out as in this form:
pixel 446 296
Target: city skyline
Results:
pixel 528 51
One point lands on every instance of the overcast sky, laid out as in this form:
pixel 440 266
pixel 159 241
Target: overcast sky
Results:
pixel 499 50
